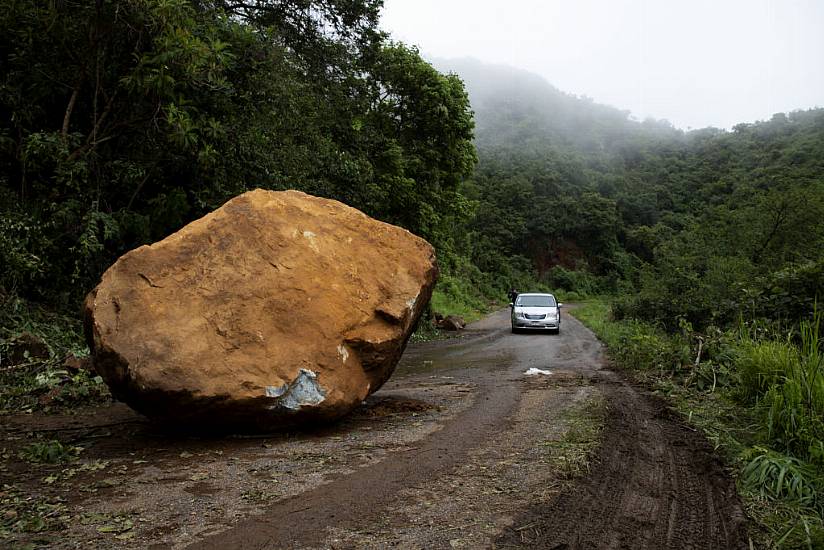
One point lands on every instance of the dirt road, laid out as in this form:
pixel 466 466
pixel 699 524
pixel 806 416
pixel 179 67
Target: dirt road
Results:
pixel 459 449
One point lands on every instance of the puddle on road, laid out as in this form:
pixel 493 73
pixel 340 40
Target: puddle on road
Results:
pixel 421 366
pixel 436 363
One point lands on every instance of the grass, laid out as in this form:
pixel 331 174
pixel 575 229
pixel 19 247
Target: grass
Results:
pixel 776 476
pixel 455 296
pixel 449 305
pixel 761 364
pixel 632 344
pixel 763 411
pixel 572 453
pixel 794 404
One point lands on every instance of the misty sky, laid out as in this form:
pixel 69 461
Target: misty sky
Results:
pixel 696 63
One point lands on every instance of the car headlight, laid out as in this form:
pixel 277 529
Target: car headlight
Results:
pixel 519 314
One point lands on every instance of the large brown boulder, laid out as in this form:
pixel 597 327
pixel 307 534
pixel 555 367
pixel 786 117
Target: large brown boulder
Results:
pixel 278 308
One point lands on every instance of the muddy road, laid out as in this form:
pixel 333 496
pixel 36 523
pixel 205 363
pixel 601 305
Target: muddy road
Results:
pixel 461 449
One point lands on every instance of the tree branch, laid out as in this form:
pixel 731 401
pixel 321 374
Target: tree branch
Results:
pixel 780 217
pixel 67 117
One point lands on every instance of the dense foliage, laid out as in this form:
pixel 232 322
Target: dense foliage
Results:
pixel 122 121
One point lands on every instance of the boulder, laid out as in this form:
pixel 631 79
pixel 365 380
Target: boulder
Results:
pixel 453 323
pixel 277 309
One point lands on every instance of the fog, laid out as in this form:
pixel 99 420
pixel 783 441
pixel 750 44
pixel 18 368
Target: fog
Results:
pixel 696 63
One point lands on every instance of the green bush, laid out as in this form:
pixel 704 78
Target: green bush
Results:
pixel 454 296
pixel 795 414
pixel 687 284
pixel 569 296
pixel 789 294
pixel 21 246
pixel 641 347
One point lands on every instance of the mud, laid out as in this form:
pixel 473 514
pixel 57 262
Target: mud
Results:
pixel 656 484
pixel 455 451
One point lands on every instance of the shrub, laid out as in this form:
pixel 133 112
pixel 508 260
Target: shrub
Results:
pixel 635 344
pixel 761 365
pixel 788 294
pixel 456 296
pixel 570 296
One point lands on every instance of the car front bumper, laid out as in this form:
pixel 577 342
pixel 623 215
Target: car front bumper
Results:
pixel 543 324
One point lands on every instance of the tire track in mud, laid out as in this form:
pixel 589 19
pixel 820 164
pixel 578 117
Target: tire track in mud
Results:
pixel 302 520
pixel 655 484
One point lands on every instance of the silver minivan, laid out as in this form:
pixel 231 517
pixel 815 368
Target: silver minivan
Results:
pixel 534 311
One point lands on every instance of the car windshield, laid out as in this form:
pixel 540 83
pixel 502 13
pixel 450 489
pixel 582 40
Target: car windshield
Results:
pixel 535 301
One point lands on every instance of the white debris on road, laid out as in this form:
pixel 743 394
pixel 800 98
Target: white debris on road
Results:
pixel 533 371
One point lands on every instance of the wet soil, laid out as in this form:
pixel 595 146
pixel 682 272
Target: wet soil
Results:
pixel 655 484
pixel 455 451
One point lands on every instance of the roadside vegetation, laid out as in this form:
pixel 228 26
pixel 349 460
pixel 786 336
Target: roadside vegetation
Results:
pixel 757 392
pixel 43 364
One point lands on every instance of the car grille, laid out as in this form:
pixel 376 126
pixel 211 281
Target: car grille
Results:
pixel 533 317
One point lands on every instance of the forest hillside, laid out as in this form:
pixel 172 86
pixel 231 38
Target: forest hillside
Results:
pixel 593 201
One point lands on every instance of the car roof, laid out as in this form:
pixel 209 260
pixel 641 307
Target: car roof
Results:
pixel 535 294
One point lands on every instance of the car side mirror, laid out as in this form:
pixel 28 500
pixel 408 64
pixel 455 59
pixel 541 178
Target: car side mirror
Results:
pixel 511 304
pixel 560 304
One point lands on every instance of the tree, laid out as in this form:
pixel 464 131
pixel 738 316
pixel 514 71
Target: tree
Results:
pixel 122 121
